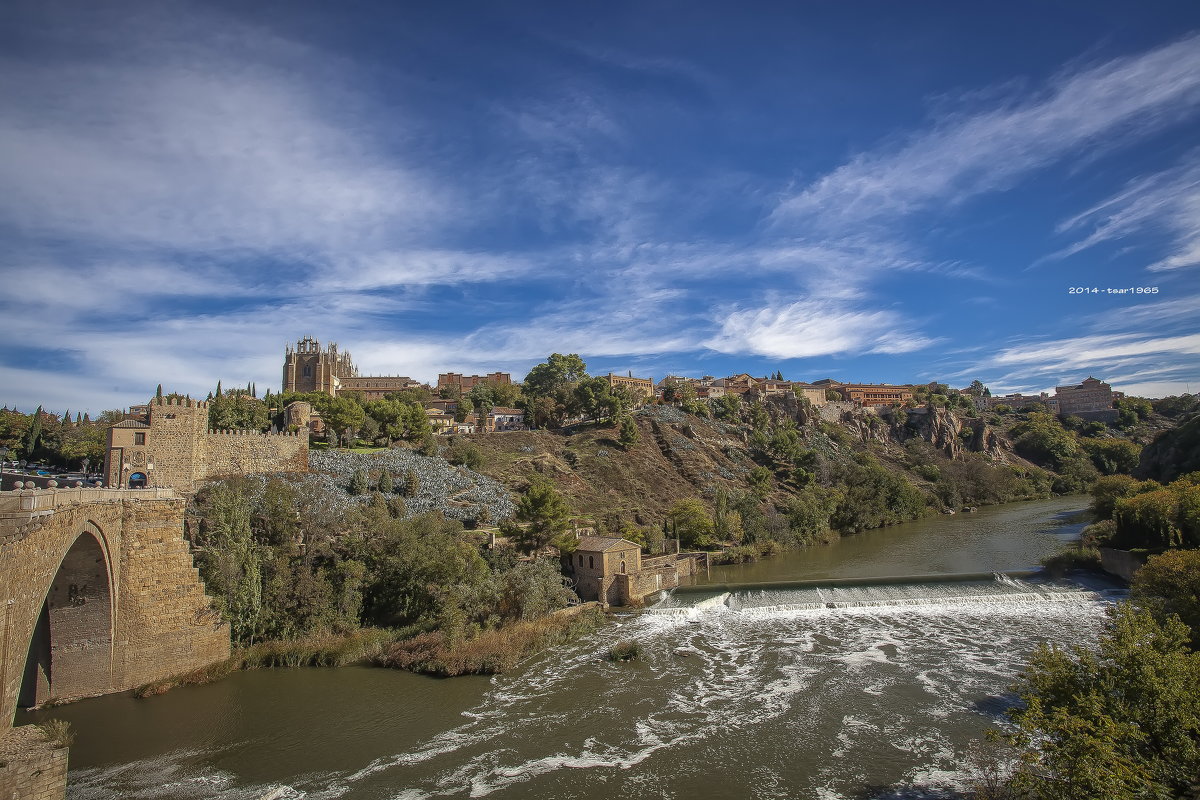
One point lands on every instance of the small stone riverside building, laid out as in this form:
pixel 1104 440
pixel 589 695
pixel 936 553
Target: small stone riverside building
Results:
pixel 613 572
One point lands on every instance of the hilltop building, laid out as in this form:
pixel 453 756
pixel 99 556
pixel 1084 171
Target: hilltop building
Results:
pixel 641 387
pixel 465 383
pixel 874 394
pixel 1092 399
pixel 308 367
pixel 172 447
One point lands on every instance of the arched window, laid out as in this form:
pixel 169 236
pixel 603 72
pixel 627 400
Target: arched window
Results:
pixel 622 566
pixel 591 563
pixel 581 559
pixel 308 370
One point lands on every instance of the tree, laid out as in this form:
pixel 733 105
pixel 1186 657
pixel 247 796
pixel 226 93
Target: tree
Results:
pixel 547 514
pixel 412 484
pixel 976 389
pixel 360 483
pixel 385 482
pixel 690 523
pixel 760 480
pixel 629 431
pixel 1168 584
pixel 555 374
pixel 483 398
pixel 33 435
pixel 1123 723
pixel 342 416
pixel 1113 456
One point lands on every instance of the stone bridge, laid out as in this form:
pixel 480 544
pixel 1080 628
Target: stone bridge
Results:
pixel 98 594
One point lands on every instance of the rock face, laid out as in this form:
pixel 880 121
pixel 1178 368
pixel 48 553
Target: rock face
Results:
pixel 1172 453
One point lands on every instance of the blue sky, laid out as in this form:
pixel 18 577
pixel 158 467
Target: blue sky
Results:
pixel 868 191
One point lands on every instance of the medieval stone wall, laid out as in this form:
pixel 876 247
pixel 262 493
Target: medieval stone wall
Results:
pixel 179 451
pixel 244 452
pixel 31 768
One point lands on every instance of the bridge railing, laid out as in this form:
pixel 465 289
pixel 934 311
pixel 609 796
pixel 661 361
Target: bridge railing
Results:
pixel 50 499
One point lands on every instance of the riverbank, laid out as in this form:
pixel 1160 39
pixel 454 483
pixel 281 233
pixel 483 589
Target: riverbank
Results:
pixel 488 652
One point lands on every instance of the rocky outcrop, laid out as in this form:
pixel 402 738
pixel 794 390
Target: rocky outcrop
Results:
pixel 1172 453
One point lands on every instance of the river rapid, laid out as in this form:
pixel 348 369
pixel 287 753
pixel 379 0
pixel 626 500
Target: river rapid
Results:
pixel 874 688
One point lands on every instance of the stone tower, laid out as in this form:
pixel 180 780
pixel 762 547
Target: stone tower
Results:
pixel 309 368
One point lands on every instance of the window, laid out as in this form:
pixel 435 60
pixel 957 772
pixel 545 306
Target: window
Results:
pixel 591 563
pixel 307 371
pixel 581 559
pixel 139 438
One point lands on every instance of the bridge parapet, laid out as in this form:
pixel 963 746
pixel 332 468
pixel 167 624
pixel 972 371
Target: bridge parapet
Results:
pixel 50 499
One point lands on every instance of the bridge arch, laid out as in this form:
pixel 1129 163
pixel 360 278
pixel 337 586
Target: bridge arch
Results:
pixel 71 650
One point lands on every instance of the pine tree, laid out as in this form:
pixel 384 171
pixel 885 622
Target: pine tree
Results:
pixel 360 483
pixel 412 484
pixel 629 431
pixel 385 482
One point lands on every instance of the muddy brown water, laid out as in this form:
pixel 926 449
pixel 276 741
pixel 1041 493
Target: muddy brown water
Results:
pixel 760 692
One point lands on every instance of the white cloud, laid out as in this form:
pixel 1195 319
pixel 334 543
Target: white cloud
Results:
pixel 1167 200
pixel 971 154
pixel 808 328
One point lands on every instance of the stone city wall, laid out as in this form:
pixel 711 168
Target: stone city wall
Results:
pixel 31 768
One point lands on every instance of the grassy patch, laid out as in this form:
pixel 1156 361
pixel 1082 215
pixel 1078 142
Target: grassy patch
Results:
pixel 58 733
pixel 491 651
pixel 317 650
pixel 1075 558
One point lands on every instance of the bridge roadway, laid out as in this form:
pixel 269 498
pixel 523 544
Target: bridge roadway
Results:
pixel 98 594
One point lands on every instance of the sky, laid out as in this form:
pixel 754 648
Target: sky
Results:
pixel 873 191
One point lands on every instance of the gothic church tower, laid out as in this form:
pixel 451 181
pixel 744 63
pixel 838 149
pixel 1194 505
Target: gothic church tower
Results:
pixel 309 368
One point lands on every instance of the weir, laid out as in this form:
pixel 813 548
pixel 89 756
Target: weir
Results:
pixel 976 589
pixel 833 583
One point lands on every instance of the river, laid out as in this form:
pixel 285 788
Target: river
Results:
pixel 755 693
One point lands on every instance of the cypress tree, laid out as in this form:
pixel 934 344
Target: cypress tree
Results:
pixel 33 436
pixel 412 484
pixel 385 482
pixel 158 392
pixel 218 388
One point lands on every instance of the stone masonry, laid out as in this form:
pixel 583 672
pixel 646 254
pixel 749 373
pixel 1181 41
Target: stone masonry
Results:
pixel 174 448
pixel 98 595
pixel 31 768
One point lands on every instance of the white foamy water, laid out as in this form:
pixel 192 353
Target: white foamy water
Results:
pixel 754 694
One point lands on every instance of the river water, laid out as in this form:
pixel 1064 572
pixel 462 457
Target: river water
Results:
pixel 780 691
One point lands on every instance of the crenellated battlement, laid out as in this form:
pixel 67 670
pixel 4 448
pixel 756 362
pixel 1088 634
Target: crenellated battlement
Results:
pixel 180 402
pixel 264 434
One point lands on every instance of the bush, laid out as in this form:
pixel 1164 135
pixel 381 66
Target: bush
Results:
pixel 1087 558
pixel 1170 584
pixel 489 652
pixel 627 650
pixel 464 454
pixel 58 732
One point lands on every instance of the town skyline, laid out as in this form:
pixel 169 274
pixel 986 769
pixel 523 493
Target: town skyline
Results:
pixel 873 196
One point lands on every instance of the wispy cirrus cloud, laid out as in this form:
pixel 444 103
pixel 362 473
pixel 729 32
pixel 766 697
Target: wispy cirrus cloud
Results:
pixel 1167 200
pixel 965 155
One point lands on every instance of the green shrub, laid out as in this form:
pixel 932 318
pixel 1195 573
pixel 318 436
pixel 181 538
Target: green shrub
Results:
pixel 627 650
